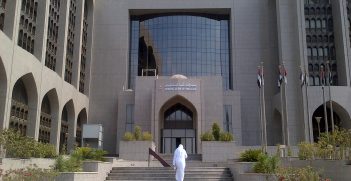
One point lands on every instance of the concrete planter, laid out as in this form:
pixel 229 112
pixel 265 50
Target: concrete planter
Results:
pixel 135 150
pixel 92 171
pixel 217 151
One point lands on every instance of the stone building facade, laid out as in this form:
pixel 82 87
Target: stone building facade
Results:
pixel 115 62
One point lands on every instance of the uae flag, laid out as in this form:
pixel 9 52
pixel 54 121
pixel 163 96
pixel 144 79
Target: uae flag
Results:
pixel 260 80
pixel 282 76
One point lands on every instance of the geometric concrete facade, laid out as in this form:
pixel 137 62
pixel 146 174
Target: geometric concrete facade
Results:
pixel 29 67
pixel 265 31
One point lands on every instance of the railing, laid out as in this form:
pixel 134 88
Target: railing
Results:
pixel 161 160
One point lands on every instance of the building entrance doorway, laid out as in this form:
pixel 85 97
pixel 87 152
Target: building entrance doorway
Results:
pixel 178 128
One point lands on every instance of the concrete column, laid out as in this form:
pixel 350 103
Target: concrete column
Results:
pixel 341 41
pixel 41 30
pixel 89 45
pixel 72 128
pixel 11 15
pixel 62 38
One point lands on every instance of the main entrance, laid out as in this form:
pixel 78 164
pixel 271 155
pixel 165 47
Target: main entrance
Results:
pixel 178 128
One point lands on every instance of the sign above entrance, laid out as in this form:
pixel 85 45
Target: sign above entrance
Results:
pixel 180 87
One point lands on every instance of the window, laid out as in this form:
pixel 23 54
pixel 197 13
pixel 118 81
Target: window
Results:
pixel 28 24
pixel 70 41
pixel 189 44
pixel 129 117
pixel 227 118
pixel 321 44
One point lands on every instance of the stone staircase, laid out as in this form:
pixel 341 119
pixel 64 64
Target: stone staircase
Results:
pixel 167 174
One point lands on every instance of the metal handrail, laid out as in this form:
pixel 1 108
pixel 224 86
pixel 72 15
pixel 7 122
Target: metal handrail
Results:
pixel 158 157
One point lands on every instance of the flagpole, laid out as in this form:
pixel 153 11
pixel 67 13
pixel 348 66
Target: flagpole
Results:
pixel 286 107
pixel 310 126
pixel 261 117
pixel 264 112
pixel 324 104
pixel 282 104
pixel 330 98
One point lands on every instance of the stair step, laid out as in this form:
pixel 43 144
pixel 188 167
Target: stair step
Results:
pixel 193 179
pixel 168 173
pixel 161 178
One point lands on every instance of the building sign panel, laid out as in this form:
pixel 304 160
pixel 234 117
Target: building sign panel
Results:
pixel 180 87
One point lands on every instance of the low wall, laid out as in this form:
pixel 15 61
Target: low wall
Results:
pixel 333 169
pixel 135 150
pixel 219 151
pixel 244 171
pixel 16 163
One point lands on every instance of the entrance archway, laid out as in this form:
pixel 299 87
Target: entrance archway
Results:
pixel 178 125
pixel 67 119
pixel 82 119
pixel 340 115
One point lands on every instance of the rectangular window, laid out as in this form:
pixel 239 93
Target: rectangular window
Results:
pixel 129 117
pixel 227 118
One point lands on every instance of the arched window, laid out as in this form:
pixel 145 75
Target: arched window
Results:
pixel 312 11
pixel 314 39
pixel 310 67
pixel 309 51
pixel 326 51
pixel 308 38
pixel 325 39
pixel 324 24
pixel 307 23
pixel 332 52
pixel 331 38
pixel 178 117
pixel 314 52
pixel 320 53
pixel 330 24
pixel 316 68
pixel 311 81
pixel 307 11
pixel 317 81
pixel 313 24
pixel 318 10
pixel 319 23
pixel 20 38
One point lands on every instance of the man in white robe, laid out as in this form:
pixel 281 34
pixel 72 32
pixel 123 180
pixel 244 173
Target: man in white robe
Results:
pixel 179 162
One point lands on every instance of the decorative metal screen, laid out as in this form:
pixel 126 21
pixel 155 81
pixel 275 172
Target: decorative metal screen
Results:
pixel 84 49
pixel 320 40
pixel 51 42
pixel 70 41
pixel 27 28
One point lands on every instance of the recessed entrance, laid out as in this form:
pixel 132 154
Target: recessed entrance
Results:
pixel 178 128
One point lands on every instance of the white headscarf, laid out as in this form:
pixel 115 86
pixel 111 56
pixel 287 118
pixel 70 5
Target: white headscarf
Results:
pixel 179 155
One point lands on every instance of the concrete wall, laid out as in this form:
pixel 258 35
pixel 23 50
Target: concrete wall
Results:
pixel 12 163
pixel 253 39
pixel 332 169
pixel 217 151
